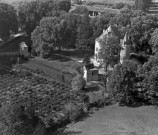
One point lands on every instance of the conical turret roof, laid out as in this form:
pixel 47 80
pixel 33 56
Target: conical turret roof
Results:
pixel 126 39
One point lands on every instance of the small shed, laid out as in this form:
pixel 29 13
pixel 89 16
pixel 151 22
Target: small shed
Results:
pixel 24 50
pixel 90 73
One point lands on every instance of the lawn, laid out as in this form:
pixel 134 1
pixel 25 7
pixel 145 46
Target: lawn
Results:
pixel 116 120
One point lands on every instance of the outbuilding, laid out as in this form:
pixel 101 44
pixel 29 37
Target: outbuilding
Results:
pixel 24 50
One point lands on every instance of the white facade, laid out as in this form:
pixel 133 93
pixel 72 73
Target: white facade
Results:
pixel 126 49
pixel 96 73
pixel 111 30
pixel 90 74
pixel 24 50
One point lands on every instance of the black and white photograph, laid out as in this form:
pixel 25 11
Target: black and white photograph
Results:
pixel 78 67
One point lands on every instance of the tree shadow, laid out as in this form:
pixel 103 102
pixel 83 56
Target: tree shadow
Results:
pixel 8 61
pixel 59 58
pixel 82 118
pixel 74 53
pixel 91 89
pixel 136 105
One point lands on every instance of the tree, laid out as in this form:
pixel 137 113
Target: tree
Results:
pixel 154 41
pixel 148 75
pixel 49 34
pixel 121 82
pixel 64 5
pixel 30 14
pixel 140 29
pixel 84 32
pixel 81 10
pixel 8 20
pixel 78 83
pixel 71 32
pixel 109 51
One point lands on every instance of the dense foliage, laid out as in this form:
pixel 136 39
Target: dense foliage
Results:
pixel 8 21
pixel 130 83
pixel 109 51
pixel 121 82
pixel 37 100
pixel 142 4
pixel 49 34
pixel 30 13
pixel 147 75
pixel 84 32
pixel 78 83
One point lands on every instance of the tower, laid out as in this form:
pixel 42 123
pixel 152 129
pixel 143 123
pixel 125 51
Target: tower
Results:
pixel 126 48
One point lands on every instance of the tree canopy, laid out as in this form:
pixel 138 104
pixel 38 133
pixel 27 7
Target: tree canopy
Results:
pixel 84 32
pixel 30 13
pixel 140 29
pixel 154 41
pixel 109 51
pixel 49 34
pixel 8 20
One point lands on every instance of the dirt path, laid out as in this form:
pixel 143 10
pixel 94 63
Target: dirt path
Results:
pixel 153 7
pixel 115 120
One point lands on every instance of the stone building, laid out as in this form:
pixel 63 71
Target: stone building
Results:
pixel 125 52
pixel 112 30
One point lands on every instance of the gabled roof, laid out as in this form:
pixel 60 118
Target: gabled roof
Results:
pixel 112 29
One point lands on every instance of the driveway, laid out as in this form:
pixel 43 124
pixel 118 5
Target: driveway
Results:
pixel 115 120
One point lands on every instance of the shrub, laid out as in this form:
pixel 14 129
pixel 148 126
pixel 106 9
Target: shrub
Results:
pixel 121 83
pixel 148 75
pixel 78 83
pixel 13 121
pixel 73 111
